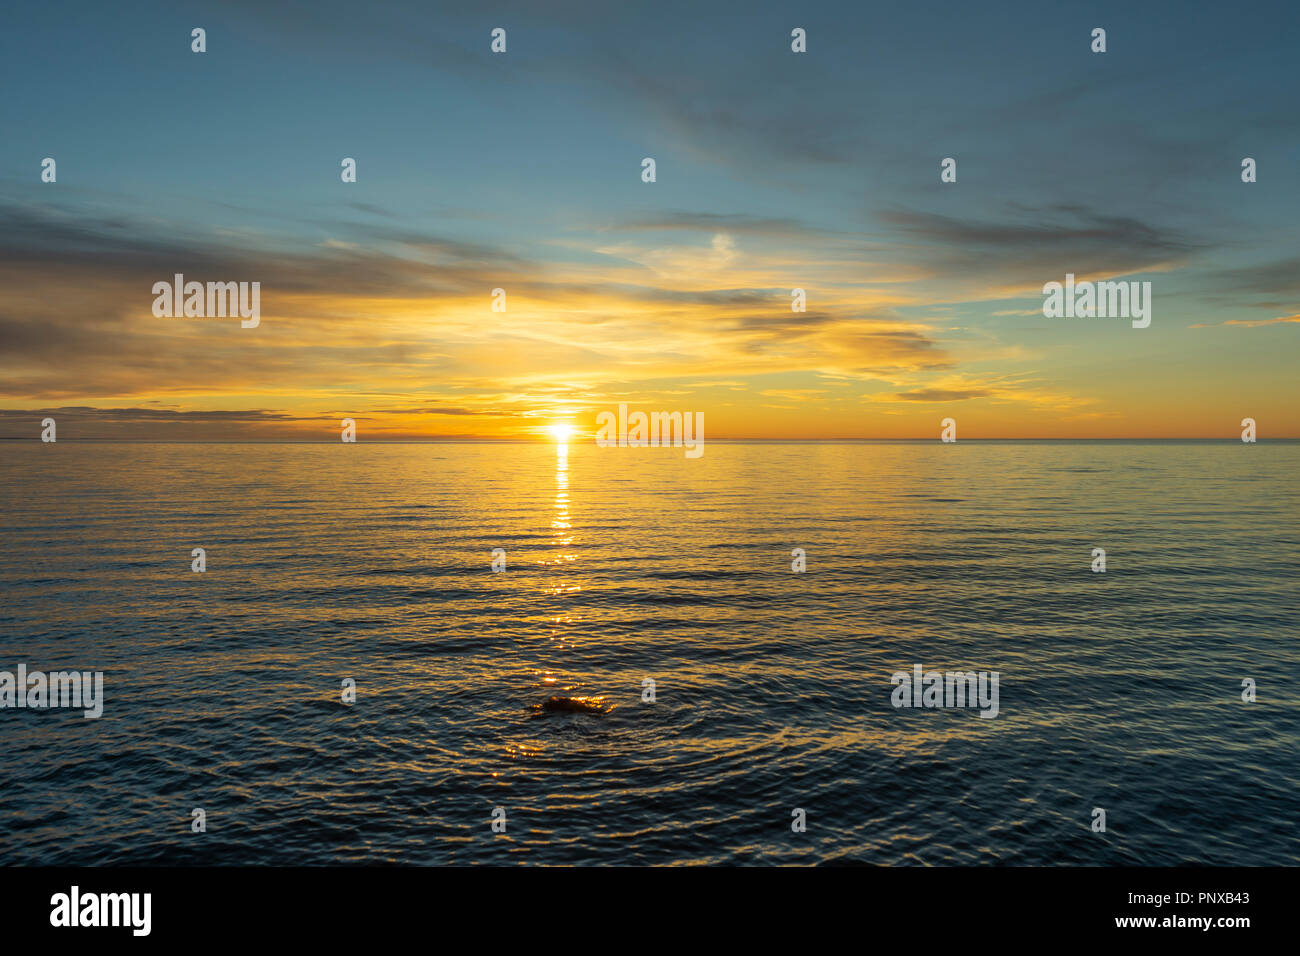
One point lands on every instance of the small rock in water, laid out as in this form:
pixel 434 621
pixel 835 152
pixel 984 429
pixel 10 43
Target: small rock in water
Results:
pixel 575 705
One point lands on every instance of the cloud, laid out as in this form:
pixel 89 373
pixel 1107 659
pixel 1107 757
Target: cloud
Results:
pixel 365 319
pixel 940 395
pixel 156 414
pixel 710 222
pixel 999 389
pixel 1281 277
pixel 1250 323
pixel 999 258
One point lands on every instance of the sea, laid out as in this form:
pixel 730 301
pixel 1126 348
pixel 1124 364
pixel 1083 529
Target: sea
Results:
pixel 355 676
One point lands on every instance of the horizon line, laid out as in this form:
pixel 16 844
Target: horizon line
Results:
pixel 543 441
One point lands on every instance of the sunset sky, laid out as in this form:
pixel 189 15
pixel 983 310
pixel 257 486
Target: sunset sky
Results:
pixel 522 171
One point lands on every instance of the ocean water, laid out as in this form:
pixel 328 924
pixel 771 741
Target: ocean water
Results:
pixel 1119 690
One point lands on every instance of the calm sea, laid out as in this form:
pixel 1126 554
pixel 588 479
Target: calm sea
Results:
pixel 1118 690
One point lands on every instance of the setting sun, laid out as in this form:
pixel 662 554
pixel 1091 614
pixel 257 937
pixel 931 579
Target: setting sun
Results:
pixel 562 432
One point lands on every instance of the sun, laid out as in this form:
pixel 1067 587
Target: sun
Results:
pixel 561 432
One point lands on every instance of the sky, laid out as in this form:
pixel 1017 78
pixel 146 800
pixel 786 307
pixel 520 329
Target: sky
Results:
pixel 522 171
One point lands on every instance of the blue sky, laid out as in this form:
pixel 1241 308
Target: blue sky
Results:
pixel 774 170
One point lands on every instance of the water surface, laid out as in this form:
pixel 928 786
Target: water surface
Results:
pixel 372 562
